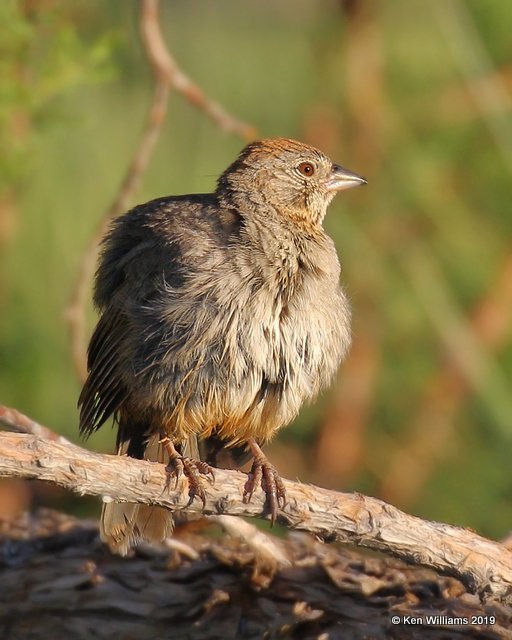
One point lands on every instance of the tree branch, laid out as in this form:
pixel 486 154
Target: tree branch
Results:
pixel 485 567
pixel 14 420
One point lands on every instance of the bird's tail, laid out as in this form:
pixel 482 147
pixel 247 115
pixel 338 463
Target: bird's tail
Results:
pixel 123 525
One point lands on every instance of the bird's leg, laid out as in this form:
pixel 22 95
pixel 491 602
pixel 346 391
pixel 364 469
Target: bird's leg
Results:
pixel 179 465
pixel 264 473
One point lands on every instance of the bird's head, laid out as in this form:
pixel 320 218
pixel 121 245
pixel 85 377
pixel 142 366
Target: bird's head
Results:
pixel 291 177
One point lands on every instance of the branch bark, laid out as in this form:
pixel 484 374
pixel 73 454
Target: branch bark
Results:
pixel 484 567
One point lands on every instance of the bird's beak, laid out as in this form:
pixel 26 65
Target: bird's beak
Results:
pixel 341 179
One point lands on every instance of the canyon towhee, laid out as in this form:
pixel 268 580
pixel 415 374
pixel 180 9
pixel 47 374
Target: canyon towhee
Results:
pixel 221 314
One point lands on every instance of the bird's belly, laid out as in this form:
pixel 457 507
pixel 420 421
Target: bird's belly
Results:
pixel 283 360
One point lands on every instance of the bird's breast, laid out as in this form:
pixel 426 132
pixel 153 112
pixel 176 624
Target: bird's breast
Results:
pixel 291 337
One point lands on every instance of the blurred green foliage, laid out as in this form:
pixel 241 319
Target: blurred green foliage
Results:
pixel 42 57
pixel 415 95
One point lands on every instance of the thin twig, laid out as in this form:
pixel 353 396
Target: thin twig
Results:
pixel 75 314
pixel 164 63
pixel 167 74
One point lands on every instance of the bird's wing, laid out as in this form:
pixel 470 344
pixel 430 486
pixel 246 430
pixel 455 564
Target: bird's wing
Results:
pixel 153 320
pixel 125 277
pixel 103 391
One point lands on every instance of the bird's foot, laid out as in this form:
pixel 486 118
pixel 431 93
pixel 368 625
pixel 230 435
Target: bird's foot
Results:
pixel 265 474
pixel 179 466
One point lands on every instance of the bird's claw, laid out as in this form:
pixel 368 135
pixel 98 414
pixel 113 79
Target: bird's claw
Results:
pixel 265 474
pixel 193 470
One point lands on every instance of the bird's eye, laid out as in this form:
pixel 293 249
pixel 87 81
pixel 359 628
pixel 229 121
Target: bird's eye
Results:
pixel 306 169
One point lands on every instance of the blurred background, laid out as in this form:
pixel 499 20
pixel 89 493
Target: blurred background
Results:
pixel 416 96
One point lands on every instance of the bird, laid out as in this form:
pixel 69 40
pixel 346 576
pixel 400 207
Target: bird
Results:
pixel 220 315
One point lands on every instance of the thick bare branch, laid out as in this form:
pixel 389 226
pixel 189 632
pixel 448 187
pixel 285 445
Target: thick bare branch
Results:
pixel 483 566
